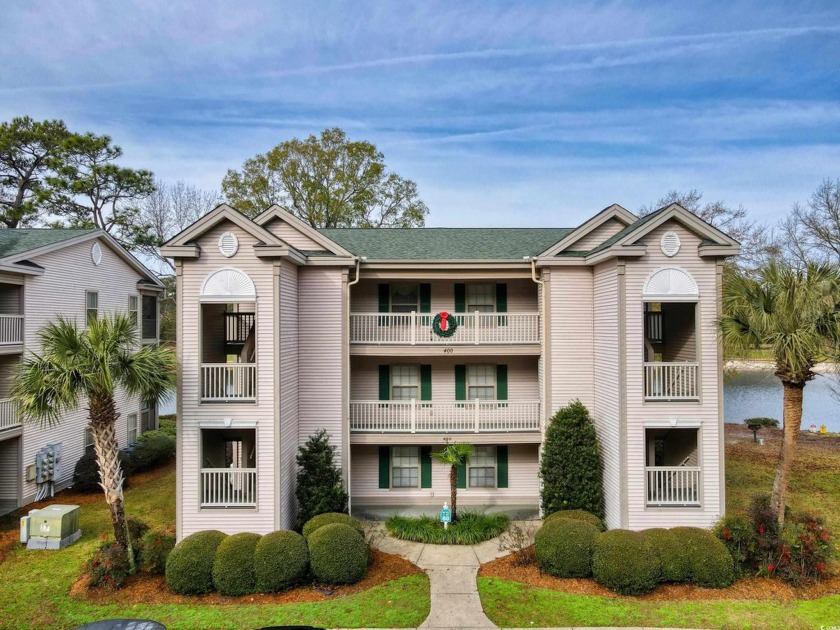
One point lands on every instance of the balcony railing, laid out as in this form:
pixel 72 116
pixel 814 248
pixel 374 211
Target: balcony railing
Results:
pixel 469 416
pixel 11 329
pixel 671 381
pixel 9 418
pixel 228 382
pixel 673 485
pixel 416 329
pixel 228 487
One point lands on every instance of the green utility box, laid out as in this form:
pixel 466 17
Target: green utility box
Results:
pixel 53 527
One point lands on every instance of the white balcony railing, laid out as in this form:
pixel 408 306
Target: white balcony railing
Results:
pixel 673 485
pixel 671 381
pixel 228 382
pixel 11 329
pixel 228 487
pixel 470 416
pixel 9 418
pixel 416 328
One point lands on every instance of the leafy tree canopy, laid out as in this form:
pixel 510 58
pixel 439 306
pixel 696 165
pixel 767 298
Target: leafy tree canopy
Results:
pixel 327 181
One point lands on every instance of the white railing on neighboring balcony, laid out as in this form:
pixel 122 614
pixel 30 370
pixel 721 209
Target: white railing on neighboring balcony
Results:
pixel 416 328
pixel 673 485
pixel 228 382
pixel 469 416
pixel 11 329
pixel 9 418
pixel 228 487
pixel 671 381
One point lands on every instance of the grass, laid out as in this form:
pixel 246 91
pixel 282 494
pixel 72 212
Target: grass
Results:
pixel 36 584
pixel 469 529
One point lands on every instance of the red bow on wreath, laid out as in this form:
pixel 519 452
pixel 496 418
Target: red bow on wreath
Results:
pixel 444 324
pixel 444 321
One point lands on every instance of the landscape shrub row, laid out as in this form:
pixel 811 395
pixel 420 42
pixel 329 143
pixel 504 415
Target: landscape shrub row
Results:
pixel 333 552
pixel 109 566
pixel 631 563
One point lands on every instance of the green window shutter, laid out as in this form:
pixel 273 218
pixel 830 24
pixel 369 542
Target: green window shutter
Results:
pixel 501 382
pixel 385 467
pixel 384 382
pixel 460 298
pixel 460 382
pixel 462 476
pixel 425 466
pixel 501 302
pixel 425 382
pixel 384 298
pixel 502 466
pixel 425 298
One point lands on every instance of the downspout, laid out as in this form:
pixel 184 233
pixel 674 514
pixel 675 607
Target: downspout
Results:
pixel 355 280
pixel 543 328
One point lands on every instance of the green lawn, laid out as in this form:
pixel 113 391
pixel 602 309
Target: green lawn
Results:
pixel 36 583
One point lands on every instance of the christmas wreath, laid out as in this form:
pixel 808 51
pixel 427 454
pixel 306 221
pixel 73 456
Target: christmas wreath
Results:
pixel 444 325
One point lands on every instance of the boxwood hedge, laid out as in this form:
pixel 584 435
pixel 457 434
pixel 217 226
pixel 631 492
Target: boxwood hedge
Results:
pixel 337 554
pixel 233 567
pixel 329 518
pixel 189 567
pixel 281 560
pixel 626 562
pixel 577 515
pixel 564 547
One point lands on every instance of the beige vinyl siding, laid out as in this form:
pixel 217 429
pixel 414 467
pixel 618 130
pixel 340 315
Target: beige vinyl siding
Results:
pixel 606 409
pixel 9 475
pixel 320 344
pixel 706 411
pixel 289 382
pixel 9 365
pixel 60 290
pixel 521 295
pixel 597 236
pixel 292 236
pixel 523 482
pixel 193 518
pixel 571 330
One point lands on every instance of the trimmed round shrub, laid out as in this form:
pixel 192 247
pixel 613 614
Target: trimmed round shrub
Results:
pixel 152 449
pixel 156 547
pixel 109 566
pixel 189 568
pixel 233 568
pixel 337 554
pixel 328 518
pixel 564 547
pixel 676 565
pixel 710 561
pixel 577 515
pixel 625 562
pixel 281 560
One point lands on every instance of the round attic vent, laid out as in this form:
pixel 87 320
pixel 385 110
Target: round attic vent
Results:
pixel 670 244
pixel 96 253
pixel 228 244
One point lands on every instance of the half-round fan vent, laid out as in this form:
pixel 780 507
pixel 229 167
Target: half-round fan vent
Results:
pixel 228 244
pixel 96 254
pixel 670 244
pixel 228 284
pixel 670 283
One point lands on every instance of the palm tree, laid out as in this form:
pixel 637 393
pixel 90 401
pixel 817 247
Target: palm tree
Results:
pixel 454 455
pixel 795 312
pixel 78 367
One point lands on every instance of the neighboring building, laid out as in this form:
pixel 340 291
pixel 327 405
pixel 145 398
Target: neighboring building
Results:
pixel 46 273
pixel 284 329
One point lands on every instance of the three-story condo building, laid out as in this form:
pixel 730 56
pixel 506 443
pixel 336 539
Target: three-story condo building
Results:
pixel 395 340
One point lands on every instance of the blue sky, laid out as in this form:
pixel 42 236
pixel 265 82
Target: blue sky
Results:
pixel 504 113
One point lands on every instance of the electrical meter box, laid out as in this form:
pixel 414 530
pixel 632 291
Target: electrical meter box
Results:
pixel 52 527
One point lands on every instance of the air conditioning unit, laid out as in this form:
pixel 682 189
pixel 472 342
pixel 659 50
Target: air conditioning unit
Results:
pixel 53 527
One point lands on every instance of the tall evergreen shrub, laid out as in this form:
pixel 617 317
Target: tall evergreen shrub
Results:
pixel 319 485
pixel 571 467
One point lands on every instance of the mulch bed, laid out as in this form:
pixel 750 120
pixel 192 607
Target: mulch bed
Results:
pixel 151 589
pixel 752 588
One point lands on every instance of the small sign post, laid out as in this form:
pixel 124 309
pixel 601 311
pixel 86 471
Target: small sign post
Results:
pixel 446 515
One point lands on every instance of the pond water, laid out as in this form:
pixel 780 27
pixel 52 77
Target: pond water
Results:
pixel 758 393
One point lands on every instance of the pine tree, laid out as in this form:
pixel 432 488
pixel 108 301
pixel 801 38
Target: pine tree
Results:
pixel 319 484
pixel 571 467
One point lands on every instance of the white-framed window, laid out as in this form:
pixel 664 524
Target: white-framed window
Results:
pixel 133 310
pixel 405 382
pixel 481 468
pixel 88 440
pixel 481 382
pixel 405 298
pixel 150 317
pixel 91 305
pixel 405 467
pixel 481 298
pixel 131 422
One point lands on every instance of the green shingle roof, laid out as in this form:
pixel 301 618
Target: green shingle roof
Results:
pixel 21 240
pixel 446 243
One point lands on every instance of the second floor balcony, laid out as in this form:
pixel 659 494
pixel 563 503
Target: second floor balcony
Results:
pixel 467 416
pixel 11 330
pixel 415 329
pixel 9 417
